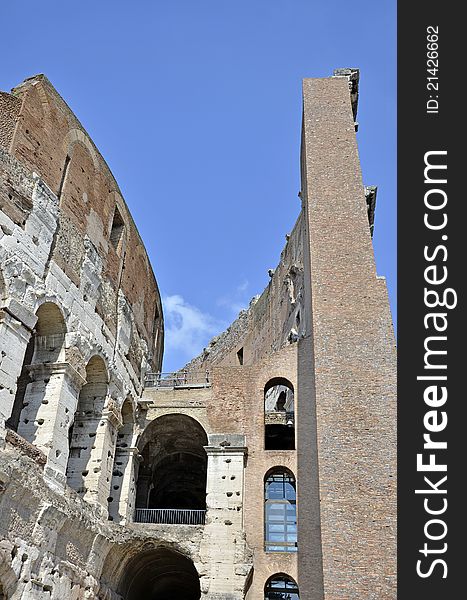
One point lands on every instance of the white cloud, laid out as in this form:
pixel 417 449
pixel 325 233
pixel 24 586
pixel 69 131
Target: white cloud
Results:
pixel 238 300
pixel 187 329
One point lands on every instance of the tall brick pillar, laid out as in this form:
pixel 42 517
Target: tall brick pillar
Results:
pixel 347 367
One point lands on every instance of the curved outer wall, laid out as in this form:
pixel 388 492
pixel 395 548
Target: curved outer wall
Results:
pixel 75 280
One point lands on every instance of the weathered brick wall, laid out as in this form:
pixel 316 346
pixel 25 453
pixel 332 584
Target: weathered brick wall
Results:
pixel 352 358
pixel 9 110
pixel 234 404
pixel 49 140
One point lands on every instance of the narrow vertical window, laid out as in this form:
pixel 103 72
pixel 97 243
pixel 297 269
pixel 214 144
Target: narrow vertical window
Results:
pixel 117 231
pixel 280 512
pixel 240 356
pixel 66 167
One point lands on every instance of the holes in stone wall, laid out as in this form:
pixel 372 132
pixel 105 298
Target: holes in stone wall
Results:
pixel 123 464
pixel 240 356
pixel 279 415
pixel 87 417
pixel 45 347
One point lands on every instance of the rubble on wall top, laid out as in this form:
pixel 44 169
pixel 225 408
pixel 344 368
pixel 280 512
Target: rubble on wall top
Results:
pixel 353 76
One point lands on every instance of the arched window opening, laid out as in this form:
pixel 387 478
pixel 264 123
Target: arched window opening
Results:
pixel 160 574
pixel 122 489
pixel 172 475
pixel 280 512
pixel 117 231
pixel 281 587
pixel 46 347
pixel 84 428
pixel 279 415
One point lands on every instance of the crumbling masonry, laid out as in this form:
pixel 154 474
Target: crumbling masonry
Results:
pixel 266 467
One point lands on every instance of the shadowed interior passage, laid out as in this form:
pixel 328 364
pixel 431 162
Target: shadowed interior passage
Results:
pixel 160 574
pixel 173 471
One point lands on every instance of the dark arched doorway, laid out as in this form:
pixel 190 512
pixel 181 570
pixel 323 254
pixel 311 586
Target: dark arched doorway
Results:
pixel 172 474
pixel 160 574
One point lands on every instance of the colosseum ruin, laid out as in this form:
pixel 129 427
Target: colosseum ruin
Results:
pixel 264 469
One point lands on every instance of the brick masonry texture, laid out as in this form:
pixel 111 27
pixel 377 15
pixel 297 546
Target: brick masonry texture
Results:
pixel 82 437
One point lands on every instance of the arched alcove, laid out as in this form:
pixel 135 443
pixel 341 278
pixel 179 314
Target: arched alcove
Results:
pixel 160 574
pixel 46 347
pixel 281 587
pixel 279 415
pixel 172 474
pixel 86 421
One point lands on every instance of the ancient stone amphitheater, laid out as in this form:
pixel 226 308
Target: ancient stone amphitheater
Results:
pixel 265 469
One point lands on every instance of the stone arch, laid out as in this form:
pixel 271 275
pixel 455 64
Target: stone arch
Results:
pixel 83 430
pixel 280 510
pixel 123 484
pixel 279 415
pixel 159 574
pixel 281 586
pixel 172 474
pixel 46 347
pixel 78 136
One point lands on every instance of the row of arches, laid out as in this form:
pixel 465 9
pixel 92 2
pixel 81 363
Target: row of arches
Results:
pixel 173 473
pixel 65 415
pixel 166 574
pixel 70 425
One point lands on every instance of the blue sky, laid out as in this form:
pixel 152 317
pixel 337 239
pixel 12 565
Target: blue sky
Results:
pixel 196 107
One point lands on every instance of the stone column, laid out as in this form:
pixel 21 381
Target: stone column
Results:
pixel 123 489
pixel 16 324
pixel 223 552
pixel 56 386
pixel 102 456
